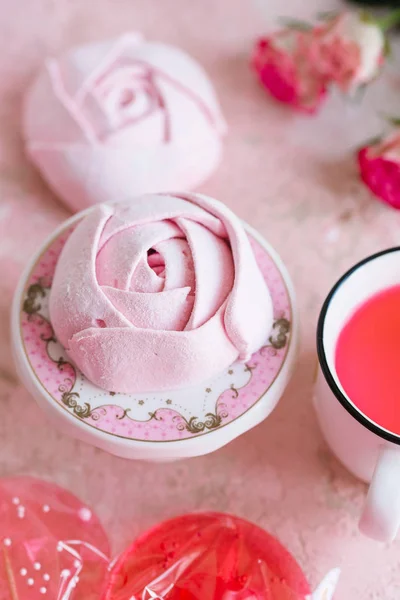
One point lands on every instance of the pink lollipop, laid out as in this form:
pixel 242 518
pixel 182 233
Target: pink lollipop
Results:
pixel 51 545
pixel 211 556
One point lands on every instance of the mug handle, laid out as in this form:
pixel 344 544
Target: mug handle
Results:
pixel 381 516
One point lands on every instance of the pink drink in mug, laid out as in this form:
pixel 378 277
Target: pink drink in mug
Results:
pixel 357 392
pixel 368 358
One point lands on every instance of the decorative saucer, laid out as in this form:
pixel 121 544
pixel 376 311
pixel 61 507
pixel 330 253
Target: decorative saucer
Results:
pixel 151 426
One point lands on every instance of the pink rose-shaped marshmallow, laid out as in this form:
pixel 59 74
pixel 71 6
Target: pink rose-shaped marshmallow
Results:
pixel 380 168
pixel 159 292
pixel 119 118
pixel 282 63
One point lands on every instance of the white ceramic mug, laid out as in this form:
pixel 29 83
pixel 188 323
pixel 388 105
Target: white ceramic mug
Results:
pixel 369 451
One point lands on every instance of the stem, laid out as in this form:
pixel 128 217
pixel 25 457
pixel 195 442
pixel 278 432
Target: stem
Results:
pixel 10 576
pixel 389 21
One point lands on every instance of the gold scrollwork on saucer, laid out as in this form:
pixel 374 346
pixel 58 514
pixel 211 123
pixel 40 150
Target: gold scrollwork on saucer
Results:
pixel 32 303
pixel 70 399
pixel 279 337
pixel 211 421
pixel 235 391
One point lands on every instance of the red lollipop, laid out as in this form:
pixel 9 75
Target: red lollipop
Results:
pixel 207 556
pixel 51 545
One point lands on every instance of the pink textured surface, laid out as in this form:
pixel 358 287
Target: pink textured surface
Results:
pixel 291 177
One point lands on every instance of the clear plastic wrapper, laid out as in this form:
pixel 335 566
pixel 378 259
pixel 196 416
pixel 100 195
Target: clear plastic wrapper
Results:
pixel 51 545
pixel 210 556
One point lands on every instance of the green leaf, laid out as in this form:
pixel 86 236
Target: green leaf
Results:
pixel 359 93
pixel 387 48
pixel 327 15
pixel 395 121
pixel 367 17
pixel 389 21
pixel 370 142
pixel 295 24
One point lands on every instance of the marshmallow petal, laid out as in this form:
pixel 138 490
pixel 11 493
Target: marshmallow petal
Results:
pixel 168 310
pixel 249 311
pixel 123 359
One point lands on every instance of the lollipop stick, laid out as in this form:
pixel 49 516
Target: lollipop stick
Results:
pixel 10 575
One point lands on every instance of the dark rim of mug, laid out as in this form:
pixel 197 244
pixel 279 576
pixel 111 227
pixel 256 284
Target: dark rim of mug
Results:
pixel 386 435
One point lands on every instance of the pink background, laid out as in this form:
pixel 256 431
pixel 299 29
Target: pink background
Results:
pixel 291 177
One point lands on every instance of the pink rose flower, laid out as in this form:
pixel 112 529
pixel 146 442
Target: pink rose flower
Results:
pixel 119 118
pixel 158 293
pixel 348 50
pixel 380 169
pixel 282 62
